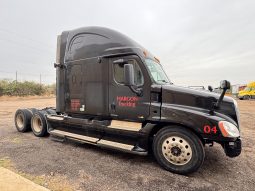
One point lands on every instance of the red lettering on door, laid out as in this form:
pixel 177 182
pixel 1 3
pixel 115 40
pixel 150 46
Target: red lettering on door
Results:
pixel 127 101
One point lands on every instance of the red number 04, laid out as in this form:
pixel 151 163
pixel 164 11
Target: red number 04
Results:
pixel 208 129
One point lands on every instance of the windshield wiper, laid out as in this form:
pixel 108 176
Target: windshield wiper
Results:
pixel 162 81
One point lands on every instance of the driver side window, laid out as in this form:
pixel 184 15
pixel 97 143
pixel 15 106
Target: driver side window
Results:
pixel 118 70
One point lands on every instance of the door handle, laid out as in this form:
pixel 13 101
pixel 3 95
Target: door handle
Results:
pixel 113 106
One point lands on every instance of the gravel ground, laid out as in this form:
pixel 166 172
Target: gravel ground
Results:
pixel 74 166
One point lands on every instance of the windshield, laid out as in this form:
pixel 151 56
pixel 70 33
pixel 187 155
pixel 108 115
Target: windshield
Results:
pixel 157 72
pixel 247 89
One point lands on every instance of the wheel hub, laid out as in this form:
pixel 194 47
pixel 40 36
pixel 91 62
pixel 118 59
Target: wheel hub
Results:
pixel 176 150
pixel 20 120
pixel 37 124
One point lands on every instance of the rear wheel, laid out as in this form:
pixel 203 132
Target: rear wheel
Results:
pixel 22 119
pixel 38 124
pixel 178 150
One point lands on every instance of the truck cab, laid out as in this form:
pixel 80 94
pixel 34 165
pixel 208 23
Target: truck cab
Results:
pixel 114 93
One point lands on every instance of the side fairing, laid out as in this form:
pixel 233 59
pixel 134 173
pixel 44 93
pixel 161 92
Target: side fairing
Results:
pixel 60 72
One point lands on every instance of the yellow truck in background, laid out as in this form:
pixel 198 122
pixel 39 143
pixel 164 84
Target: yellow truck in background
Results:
pixel 248 92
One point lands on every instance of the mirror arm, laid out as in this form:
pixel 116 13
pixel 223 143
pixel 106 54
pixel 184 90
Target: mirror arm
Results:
pixel 137 91
pixel 217 105
pixel 225 85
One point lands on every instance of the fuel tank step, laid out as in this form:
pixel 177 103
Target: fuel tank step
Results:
pixel 96 141
pixel 73 128
pixel 73 136
pixel 115 145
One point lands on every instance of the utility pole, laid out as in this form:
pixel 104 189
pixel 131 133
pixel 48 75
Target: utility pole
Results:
pixel 16 77
pixel 40 81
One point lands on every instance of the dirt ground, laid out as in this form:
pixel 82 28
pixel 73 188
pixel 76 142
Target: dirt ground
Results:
pixel 11 181
pixel 74 166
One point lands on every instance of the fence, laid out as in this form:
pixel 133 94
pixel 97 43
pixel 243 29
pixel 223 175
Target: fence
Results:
pixel 22 84
pixel 17 76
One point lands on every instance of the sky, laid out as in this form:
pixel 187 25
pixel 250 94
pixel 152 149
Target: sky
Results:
pixel 198 42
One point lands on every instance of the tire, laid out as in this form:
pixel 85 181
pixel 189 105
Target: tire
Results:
pixel 246 97
pixel 39 124
pixel 185 153
pixel 22 119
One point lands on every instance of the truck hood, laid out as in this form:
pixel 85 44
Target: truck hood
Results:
pixel 199 100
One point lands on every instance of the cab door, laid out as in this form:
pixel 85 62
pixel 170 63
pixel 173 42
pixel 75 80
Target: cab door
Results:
pixel 124 104
pixel 127 109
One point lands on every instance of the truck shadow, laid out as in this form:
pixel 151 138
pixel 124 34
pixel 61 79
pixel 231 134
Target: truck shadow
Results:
pixel 214 163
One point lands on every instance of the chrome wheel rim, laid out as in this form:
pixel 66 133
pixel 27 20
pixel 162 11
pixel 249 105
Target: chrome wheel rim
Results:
pixel 37 124
pixel 176 150
pixel 20 121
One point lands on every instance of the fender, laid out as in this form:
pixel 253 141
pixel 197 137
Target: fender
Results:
pixel 197 119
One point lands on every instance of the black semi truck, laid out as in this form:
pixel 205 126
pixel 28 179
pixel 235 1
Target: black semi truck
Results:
pixel 113 93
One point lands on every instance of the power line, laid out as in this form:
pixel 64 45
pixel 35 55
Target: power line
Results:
pixel 22 77
pixel 21 73
pixel 25 37
pixel 28 46
pixel 6 72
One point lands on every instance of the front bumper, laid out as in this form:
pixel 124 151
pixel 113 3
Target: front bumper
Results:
pixel 233 148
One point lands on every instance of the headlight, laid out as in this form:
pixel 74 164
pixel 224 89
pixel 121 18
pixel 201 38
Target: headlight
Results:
pixel 228 129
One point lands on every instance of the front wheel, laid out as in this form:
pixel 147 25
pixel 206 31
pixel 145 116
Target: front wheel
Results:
pixel 178 150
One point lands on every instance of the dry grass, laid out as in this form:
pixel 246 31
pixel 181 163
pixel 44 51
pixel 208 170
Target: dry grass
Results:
pixel 6 163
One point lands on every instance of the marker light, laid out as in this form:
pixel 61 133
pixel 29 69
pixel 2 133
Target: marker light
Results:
pixel 157 59
pixel 228 129
pixel 145 53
